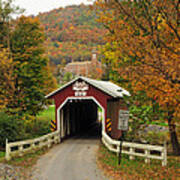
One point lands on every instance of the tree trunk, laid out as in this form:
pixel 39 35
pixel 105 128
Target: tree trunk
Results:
pixel 173 135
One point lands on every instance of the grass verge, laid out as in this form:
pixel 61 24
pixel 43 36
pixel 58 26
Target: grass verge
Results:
pixel 47 113
pixel 137 169
pixel 2 155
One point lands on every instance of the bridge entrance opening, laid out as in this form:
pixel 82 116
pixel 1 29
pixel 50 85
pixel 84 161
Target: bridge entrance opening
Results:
pixel 80 117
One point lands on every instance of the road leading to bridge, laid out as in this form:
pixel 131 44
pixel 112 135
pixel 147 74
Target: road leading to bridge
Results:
pixel 74 159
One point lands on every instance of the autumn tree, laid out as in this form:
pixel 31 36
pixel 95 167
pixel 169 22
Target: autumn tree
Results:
pixel 71 33
pixel 7 9
pixel 145 50
pixel 32 76
pixel 6 78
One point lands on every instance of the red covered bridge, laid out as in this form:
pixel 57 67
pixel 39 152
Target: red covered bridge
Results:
pixel 78 102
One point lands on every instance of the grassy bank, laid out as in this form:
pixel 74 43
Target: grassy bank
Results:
pixel 2 155
pixel 47 114
pixel 137 169
pixel 40 125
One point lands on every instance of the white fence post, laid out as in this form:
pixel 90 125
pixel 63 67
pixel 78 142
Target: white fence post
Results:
pixel 131 157
pixel 147 153
pixel 33 145
pixel 49 142
pixel 118 150
pixel 21 150
pixel 164 154
pixel 7 151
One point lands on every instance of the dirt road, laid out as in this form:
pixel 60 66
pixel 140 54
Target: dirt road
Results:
pixel 74 159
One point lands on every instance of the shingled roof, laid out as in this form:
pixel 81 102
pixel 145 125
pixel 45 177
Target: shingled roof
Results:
pixel 105 86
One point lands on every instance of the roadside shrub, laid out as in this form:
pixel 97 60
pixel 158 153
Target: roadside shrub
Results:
pixel 151 134
pixel 11 128
pixel 35 127
pixel 156 138
pixel 16 128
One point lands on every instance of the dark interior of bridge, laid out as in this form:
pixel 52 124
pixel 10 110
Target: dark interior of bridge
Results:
pixel 80 117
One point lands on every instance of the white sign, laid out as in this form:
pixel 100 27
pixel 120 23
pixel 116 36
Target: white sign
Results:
pixel 123 120
pixel 80 88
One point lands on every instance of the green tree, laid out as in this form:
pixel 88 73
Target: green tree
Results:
pixel 7 9
pixel 30 70
pixel 68 76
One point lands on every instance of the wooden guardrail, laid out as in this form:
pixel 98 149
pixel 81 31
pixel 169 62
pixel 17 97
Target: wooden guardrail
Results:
pixel 135 149
pixel 19 148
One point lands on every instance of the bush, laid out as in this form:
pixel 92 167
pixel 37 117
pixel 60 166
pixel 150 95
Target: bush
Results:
pixel 156 138
pixel 11 128
pixel 36 127
pixel 14 128
pixel 151 134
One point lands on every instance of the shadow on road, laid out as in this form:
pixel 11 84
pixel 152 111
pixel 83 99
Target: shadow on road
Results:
pixel 93 133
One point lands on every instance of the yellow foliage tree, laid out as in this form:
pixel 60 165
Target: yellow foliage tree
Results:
pixel 6 78
pixel 145 40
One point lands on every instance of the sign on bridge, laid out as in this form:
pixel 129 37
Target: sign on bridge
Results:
pixel 123 120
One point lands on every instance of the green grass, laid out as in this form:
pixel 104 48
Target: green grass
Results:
pixel 40 125
pixel 48 114
pixel 159 123
pixel 2 154
pixel 136 169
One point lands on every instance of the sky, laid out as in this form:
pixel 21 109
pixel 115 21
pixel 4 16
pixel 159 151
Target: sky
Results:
pixel 34 7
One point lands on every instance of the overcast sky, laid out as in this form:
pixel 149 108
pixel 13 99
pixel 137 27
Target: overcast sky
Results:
pixel 33 7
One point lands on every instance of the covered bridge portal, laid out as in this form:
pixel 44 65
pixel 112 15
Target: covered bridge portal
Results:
pixel 83 102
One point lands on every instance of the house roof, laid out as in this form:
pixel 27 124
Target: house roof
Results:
pixel 105 86
pixel 78 63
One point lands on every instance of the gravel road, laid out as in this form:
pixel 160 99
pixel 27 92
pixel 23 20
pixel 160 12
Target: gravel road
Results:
pixel 74 159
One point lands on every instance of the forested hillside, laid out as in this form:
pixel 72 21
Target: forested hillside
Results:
pixel 71 33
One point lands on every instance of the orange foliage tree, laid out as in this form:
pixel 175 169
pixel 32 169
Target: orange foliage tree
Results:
pixel 71 33
pixel 144 38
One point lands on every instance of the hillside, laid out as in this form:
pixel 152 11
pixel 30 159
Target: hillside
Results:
pixel 71 33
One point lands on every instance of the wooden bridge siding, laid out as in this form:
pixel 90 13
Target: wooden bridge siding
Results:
pixel 113 107
pixel 102 98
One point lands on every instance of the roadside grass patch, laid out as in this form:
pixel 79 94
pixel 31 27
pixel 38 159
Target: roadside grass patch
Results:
pixel 2 154
pixel 47 114
pixel 159 123
pixel 137 168
pixel 39 125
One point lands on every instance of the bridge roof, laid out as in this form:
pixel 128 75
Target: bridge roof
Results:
pixel 105 86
